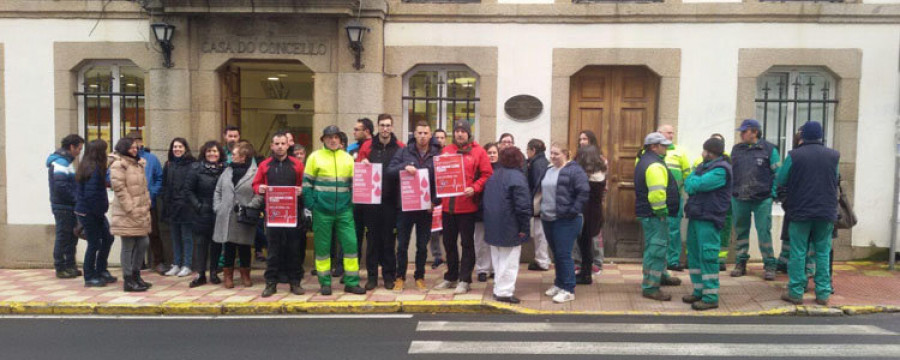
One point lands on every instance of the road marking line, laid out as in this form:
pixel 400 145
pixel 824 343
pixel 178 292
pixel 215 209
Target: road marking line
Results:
pixel 207 317
pixel 653 349
pixel 741 329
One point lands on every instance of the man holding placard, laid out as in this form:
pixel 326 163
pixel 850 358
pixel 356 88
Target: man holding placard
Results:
pixel 460 175
pixel 286 246
pixel 327 182
pixel 413 160
pixel 381 218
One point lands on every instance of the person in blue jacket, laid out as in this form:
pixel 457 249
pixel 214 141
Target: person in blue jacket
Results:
pixel 91 205
pixel 61 178
pixel 507 220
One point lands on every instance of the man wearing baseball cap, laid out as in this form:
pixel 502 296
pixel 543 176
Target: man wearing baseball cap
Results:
pixel 709 191
pixel 656 199
pixel 754 162
pixel 327 182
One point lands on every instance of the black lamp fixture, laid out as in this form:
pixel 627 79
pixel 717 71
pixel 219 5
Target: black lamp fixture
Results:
pixel 355 32
pixel 163 33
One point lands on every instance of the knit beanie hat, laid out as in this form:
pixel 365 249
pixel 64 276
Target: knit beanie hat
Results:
pixel 714 146
pixel 464 126
pixel 811 131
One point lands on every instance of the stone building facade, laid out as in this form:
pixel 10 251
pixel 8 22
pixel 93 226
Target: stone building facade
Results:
pixel 620 68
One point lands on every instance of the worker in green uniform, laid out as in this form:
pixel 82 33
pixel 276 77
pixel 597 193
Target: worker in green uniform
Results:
pixel 810 174
pixel 709 190
pixel 754 162
pixel 656 199
pixel 726 229
pixel 327 184
pixel 680 166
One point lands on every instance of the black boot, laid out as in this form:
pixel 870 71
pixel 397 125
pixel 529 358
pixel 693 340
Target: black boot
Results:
pixel 132 286
pixel 200 280
pixel 214 277
pixel 107 277
pixel 584 278
pixel 271 289
pixel 138 279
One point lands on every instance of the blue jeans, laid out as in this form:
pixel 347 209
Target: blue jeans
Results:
pixel 64 247
pixel 561 234
pixel 99 240
pixel 405 222
pixel 182 244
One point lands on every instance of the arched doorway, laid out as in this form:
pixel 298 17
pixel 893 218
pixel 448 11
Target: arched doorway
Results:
pixel 263 97
pixel 619 104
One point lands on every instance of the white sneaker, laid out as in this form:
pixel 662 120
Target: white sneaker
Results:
pixel 185 271
pixel 552 291
pixel 444 285
pixel 173 271
pixel 462 288
pixel 563 296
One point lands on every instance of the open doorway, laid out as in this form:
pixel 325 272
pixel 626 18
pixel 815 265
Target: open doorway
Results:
pixel 264 97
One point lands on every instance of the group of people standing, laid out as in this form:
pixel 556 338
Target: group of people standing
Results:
pixel 214 204
pixel 743 184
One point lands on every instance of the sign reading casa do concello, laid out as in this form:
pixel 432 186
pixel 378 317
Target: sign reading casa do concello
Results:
pixel 274 45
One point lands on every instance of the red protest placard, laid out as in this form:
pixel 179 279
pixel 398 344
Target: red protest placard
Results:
pixel 449 175
pixel 437 219
pixel 415 191
pixel 367 183
pixel 281 206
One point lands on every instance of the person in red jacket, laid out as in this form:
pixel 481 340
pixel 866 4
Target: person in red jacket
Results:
pixel 459 211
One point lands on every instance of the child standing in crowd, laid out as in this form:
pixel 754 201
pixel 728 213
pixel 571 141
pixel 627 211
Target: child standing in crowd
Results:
pixel 91 204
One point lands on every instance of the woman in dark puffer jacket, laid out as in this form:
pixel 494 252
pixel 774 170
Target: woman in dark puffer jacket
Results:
pixel 201 186
pixel 91 205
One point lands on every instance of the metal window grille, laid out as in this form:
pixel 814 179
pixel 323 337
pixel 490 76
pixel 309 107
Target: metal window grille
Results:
pixel 788 99
pixel 438 101
pixel 107 112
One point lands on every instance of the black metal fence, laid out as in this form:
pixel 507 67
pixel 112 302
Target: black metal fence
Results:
pixel 803 99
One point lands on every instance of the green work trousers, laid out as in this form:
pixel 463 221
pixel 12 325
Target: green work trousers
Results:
pixel 725 234
pixel 323 227
pixel 785 255
pixel 703 244
pixel 762 217
pixel 655 238
pixel 805 236
pixel 673 250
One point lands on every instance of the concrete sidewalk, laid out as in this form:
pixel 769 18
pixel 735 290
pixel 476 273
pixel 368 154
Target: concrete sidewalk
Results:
pixel 860 287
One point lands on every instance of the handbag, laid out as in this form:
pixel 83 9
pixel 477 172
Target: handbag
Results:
pixel 248 215
pixel 846 217
pixel 78 230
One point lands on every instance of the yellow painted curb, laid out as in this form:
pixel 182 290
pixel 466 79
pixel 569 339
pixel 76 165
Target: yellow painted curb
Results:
pixel 191 309
pixel 338 307
pixel 7 307
pixel 34 307
pixel 129 309
pixel 73 308
pixel 245 308
pixel 861 310
pixel 445 306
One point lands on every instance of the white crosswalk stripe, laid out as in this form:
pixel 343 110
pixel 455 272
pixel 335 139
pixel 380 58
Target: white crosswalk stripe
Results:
pixel 654 349
pixel 746 329
pixel 818 348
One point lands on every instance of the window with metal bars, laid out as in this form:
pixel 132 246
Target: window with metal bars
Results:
pixel 110 100
pixel 786 98
pixel 440 95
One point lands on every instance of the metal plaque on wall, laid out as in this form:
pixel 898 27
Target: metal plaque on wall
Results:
pixel 523 107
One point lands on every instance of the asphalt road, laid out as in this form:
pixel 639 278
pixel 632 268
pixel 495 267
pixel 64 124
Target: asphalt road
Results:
pixel 448 336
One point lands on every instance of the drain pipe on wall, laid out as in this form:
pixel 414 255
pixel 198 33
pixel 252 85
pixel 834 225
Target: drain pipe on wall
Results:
pixel 893 253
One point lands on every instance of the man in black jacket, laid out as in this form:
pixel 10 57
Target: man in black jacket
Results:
pixel 381 219
pixel 418 155
pixel 537 166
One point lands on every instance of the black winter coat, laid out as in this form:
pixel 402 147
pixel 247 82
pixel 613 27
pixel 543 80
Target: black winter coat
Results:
pixel 201 186
pixel 409 155
pixel 176 205
pixel 507 208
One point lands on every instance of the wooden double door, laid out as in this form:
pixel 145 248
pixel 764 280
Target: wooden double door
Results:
pixel 619 104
